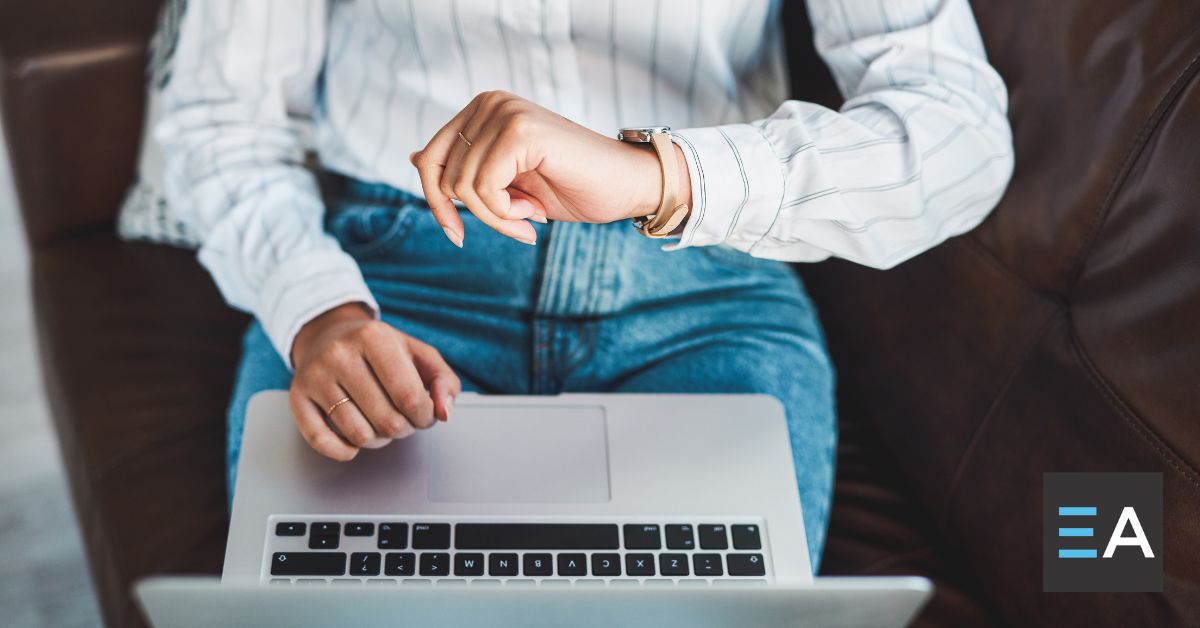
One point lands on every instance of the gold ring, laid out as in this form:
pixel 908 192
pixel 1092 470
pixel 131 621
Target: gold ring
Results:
pixel 335 405
pixel 464 139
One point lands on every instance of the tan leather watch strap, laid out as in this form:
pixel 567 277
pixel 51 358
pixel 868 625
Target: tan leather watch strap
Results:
pixel 670 211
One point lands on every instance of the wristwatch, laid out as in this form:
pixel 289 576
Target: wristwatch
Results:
pixel 671 211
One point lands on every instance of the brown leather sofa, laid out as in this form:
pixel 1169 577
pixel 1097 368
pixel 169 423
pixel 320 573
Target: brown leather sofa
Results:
pixel 1062 334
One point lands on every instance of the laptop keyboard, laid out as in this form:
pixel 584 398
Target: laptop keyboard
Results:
pixel 396 551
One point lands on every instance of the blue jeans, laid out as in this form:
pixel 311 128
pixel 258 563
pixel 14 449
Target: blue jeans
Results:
pixel 589 308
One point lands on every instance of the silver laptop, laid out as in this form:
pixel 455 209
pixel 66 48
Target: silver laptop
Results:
pixel 616 493
pixel 827 603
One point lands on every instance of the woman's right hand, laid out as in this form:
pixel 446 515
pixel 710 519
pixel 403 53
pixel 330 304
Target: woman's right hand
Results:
pixel 396 383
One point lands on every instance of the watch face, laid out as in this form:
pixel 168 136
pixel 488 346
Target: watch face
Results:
pixel 640 133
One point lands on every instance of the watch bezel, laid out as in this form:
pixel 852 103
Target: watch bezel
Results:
pixel 640 134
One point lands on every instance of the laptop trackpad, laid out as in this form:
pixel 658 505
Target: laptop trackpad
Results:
pixel 520 454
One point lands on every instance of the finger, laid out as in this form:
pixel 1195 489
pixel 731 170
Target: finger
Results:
pixel 457 177
pixel 403 384
pixel 444 210
pixel 466 166
pixel 374 403
pixel 347 419
pixel 466 181
pixel 444 386
pixel 310 420
pixel 519 230
pixel 430 162
pixel 519 198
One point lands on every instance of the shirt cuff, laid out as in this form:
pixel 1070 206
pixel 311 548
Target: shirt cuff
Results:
pixel 737 185
pixel 305 288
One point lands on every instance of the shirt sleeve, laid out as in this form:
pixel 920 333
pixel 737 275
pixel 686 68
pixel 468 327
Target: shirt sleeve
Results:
pixel 920 151
pixel 234 158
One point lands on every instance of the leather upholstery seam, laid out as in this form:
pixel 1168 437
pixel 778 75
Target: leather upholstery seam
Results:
pixel 1131 418
pixel 997 399
pixel 1133 155
pixel 976 246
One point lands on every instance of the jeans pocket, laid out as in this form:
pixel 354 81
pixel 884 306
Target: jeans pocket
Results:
pixel 366 231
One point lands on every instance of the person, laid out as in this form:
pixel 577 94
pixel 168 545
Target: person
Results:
pixel 478 238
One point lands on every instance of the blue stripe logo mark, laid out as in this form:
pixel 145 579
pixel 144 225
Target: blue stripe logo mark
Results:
pixel 1076 511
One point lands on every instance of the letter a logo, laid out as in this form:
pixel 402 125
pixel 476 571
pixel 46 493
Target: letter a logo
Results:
pixel 1128 518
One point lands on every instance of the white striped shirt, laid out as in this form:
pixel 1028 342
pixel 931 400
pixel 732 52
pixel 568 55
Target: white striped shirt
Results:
pixel 920 151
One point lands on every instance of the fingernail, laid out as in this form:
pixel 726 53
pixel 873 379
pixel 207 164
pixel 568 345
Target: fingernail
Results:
pixel 539 218
pixel 453 236
pixel 529 241
pixel 448 404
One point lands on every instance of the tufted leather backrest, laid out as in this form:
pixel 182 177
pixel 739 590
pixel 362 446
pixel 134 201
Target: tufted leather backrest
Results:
pixel 1063 334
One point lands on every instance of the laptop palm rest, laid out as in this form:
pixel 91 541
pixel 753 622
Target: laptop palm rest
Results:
pixel 521 454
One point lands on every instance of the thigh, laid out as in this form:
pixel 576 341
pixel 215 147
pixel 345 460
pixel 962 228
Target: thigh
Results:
pixel 261 368
pixel 765 346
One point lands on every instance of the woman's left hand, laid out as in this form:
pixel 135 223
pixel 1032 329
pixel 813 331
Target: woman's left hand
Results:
pixel 517 161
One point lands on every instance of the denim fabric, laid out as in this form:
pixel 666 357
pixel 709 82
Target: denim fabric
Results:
pixel 589 308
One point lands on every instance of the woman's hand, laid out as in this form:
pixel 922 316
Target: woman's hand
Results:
pixel 396 383
pixel 525 162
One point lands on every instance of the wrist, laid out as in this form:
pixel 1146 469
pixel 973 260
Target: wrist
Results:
pixel 311 330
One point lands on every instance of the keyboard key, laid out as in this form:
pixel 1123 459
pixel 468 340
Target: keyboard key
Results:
pixel 502 564
pixel 324 535
pixel 707 564
pixel 399 564
pixel 393 536
pixel 572 565
pixel 642 537
pixel 673 564
pixel 538 565
pixel 746 565
pixel 713 537
pixel 308 564
pixel 364 564
pixel 681 537
pixel 468 564
pixel 431 536
pixel 745 537
pixel 290 528
pixel 535 536
pixel 360 529
pixel 326 527
pixel 323 541
pixel 606 564
pixel 639 564
pixel 435 564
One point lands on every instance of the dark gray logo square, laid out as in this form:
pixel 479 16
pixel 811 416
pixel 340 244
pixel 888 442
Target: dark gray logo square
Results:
pixel 1102 532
